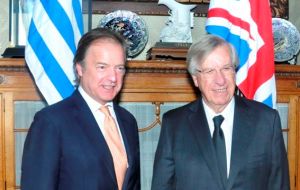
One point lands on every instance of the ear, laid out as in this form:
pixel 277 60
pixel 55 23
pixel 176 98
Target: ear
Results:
pixel 79 69
pixel 195 80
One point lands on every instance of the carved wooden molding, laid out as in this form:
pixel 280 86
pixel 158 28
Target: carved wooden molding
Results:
pixel 287 71
pixel 156 67
pixel 149 66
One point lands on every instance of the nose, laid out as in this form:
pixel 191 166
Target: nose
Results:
pixel 112 74
pixel 220 77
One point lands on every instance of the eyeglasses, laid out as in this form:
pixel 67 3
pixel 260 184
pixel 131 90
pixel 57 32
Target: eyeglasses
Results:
pixel 226 70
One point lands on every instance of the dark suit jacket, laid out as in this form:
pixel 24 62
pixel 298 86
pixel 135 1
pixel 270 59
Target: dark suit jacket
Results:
pixel 65 150
pixel 185 157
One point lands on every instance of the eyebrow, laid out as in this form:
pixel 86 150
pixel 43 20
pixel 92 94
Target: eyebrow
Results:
pixel 227 65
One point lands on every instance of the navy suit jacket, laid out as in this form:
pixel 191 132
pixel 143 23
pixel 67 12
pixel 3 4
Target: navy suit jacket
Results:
pixel 185 157
pixel 65 150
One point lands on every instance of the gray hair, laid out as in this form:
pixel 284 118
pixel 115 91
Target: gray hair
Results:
pixel 198 51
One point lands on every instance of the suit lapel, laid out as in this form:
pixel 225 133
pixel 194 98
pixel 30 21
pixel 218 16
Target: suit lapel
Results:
pixel 241 137
pixel 200 129
pixel 85 118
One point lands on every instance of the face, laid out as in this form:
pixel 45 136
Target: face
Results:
pixel 104 67
pixel 216 79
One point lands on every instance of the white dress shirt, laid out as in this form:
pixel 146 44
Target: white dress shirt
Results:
pixel 227 126
pixel 98 115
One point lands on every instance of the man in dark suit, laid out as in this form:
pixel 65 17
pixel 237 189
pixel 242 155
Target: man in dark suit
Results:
pixel 67 145
pixel 220 141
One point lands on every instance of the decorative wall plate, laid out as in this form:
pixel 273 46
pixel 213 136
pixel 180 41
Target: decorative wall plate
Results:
pixel 286 40
pixel 131 26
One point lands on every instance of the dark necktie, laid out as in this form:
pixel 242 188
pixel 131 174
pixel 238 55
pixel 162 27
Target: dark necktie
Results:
pixel 219 143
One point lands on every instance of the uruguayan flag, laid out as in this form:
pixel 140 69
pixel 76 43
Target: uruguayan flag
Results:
pixel 54 32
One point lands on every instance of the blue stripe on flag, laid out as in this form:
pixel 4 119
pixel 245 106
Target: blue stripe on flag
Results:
pixel 235 40
pixel 78 15
pixel 269 100
pixel 61 21
pixel 49 63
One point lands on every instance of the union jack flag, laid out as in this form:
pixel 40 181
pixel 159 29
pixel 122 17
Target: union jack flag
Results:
pixel 247 25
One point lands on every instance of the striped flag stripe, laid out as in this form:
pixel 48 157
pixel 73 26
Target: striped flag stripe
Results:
pixel 253 71
pixel 234 21
pixel 55 42
pixel 74 14
pixel 50 93
pixel 262 93
pixel 78 17
pixel 51 67
pixel 235 41
pixel 61 21
pixel 55 29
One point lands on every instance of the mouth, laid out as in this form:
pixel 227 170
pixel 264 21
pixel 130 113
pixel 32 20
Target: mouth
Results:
pixel 108 87
pixel 221 90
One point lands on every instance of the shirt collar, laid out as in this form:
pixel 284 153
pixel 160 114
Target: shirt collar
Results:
pixel 93 104
pixel 226 112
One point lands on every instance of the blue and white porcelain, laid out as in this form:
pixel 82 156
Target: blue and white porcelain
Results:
pixel 131 26
pixel 286 40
